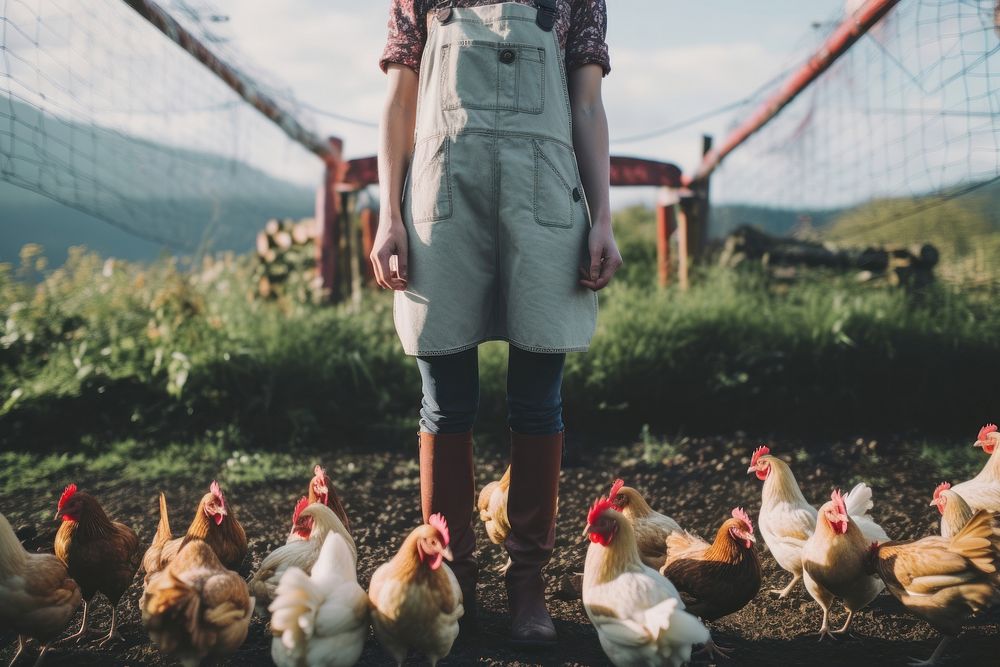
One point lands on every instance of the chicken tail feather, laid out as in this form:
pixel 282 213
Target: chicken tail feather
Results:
pixel 859 500
pixel 979 542
pixel 163 527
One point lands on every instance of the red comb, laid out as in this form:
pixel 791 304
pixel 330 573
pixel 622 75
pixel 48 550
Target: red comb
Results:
pixel 741 514
pixel 299 506
pixel 985 431
pixel 437 520
pixel 759 452
pixel 216 490
pixel 600 505
pixel 838 499
pixel 67 492
pixel 943 486
pixel 616 486
pixel 319 471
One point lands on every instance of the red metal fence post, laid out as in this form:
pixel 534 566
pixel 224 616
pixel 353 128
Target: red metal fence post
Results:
pixel 369 225
pixel 328 221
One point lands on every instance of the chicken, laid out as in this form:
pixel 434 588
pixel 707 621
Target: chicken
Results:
pixel 834 564
pixel 416 603
pixel 196 608
pixel 955 512
pixel 37 596
pixel 787 520
pixel 213 522
pixel 638 613
pixel 321 490
pixel 982 492
pixel 321 521
pixel 300 529
pixel 651 528
pixel 715 579
pixel 320 620
pixel 944 580
pixel 100 554
pixel 492 507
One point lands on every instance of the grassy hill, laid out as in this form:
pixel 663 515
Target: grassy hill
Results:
pixel 187 198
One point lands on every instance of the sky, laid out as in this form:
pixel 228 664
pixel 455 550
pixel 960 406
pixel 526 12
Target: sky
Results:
pixel 670 60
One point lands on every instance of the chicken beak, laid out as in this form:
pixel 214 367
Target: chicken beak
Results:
pixel 586 531
pixel 979 443
pixel 446 553
pixel 58 514
pixel 751 470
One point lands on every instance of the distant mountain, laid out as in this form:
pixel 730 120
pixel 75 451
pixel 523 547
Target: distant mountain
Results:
pixel 177 199
pixel 775 221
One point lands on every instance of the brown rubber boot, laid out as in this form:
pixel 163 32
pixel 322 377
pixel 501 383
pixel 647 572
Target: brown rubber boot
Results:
pixel 447 485
pixel 531 509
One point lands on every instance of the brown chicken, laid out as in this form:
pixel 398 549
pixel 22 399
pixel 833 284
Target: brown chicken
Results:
pixel 100 554
pixel 492 507
pixel 213 522
pixel 37 596
pixel 955 512
pixel 416 600
pixel 651 527
pixel 715 579
pixel 321 490
pixel 196 608
pixel 942 580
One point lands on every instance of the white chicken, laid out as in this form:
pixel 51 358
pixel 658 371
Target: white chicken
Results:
pixel 638 613
pixel 37 596
pixel 416 600
pixel 301 554
pixel 835 564
pixel 982 492
pixel 320 620
pixel 651 527
pixel 787 520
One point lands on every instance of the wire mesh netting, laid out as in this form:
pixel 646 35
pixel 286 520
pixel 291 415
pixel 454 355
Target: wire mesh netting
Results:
pixel 901 133
pixel 101 112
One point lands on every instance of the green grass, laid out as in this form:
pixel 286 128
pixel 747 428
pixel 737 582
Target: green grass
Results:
pixel 100 352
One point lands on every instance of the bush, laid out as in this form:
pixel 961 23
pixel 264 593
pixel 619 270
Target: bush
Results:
pixel 99 351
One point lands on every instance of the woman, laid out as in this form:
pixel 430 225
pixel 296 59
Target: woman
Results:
pixel 485 234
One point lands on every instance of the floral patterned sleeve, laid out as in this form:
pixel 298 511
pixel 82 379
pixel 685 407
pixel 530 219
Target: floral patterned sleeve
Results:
pixel 588 29
pixel 407 34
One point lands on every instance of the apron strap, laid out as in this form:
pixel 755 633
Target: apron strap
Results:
pixel 546 14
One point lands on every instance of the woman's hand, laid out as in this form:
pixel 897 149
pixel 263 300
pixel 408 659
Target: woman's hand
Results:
pixel 390 241
pixel 605 259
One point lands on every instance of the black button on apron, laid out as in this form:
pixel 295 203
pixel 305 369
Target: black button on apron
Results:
pixel 507 56
pixel 576 194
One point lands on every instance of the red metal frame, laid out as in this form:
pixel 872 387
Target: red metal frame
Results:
pixel 852 29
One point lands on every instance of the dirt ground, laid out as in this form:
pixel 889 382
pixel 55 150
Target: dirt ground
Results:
pixel 698 485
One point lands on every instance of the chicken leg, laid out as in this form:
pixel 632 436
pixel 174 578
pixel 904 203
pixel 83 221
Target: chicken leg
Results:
pixel 783 593
pixel 711 650
pixel 83 631
pixel 847 624
pixel 113 632
pixel 41 656
pixel 935 656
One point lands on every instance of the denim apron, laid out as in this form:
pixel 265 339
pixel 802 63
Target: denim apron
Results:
pixel 495 213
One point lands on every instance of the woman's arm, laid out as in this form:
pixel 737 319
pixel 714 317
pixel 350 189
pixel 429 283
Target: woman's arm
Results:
pixel 590 140
pixel 395 147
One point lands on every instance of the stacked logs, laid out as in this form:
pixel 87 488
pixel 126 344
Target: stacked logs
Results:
pixel 911 266
pixel 286 260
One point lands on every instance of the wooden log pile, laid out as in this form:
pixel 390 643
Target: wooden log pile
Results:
pixel 286 260
pixel 909 266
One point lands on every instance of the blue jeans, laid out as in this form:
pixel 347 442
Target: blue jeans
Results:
pixel 451 391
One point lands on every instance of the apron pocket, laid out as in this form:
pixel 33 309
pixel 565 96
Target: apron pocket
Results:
pixel 430 191
pixel 555 196
pixel 493 76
